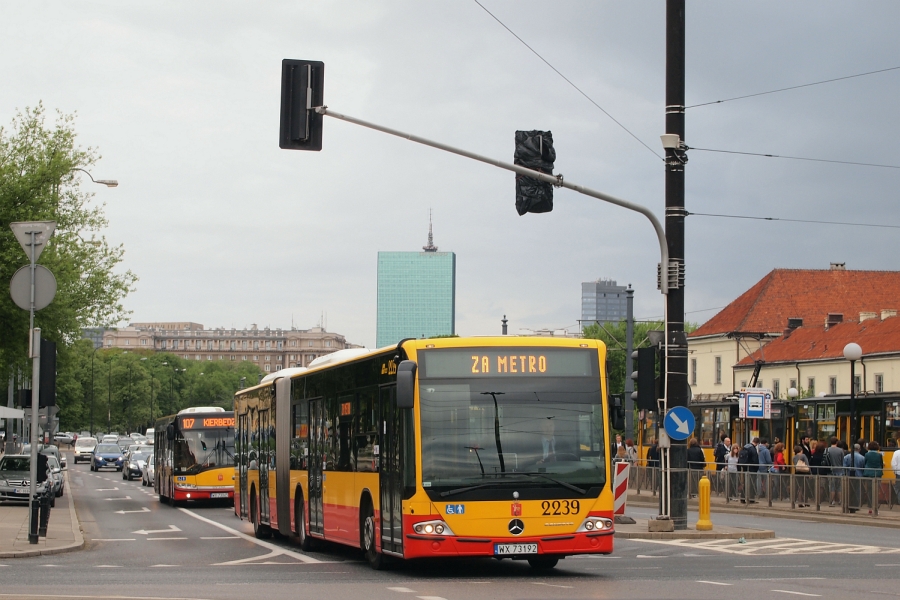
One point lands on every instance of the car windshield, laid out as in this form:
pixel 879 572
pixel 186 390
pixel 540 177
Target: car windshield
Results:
pixel 108 449
pixel 15 463
pixel 529 432
pixel 139 456
pixel 85 443
pixel 202 449
pixel 54 464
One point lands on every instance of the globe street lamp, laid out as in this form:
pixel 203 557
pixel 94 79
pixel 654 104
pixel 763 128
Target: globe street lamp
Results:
pixel 853 353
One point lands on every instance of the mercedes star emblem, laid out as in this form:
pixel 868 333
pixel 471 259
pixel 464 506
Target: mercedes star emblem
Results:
pixel 516 526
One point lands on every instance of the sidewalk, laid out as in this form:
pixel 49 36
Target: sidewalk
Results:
pixel 827 514
pixel 638 531
pixel 63 530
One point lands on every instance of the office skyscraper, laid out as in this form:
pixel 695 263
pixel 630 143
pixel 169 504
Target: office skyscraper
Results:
pixel 416 294
pixel 603 301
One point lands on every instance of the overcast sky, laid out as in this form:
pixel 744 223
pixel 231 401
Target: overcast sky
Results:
pixel 225 229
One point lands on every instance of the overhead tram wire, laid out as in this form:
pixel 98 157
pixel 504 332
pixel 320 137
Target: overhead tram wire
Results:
pixel 793 87
pixel 578 89
pixel 843 223
pixel 824 160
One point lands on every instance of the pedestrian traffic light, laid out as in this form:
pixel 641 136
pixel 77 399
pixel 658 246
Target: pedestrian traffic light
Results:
pixel 301 92
pixel 644 376
pixel 534 150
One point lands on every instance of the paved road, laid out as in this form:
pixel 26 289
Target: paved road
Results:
pixel 139 548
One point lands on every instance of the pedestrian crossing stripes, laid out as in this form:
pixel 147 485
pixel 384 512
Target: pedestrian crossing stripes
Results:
pixel 774 546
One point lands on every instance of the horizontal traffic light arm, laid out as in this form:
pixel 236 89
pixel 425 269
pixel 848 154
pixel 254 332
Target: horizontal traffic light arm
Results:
pixel 556 180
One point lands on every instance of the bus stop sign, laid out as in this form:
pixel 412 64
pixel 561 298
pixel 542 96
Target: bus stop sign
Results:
pixel 755 403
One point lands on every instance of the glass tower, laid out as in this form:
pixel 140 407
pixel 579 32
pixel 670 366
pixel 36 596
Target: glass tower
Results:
pixel 603 301
pixel 416 294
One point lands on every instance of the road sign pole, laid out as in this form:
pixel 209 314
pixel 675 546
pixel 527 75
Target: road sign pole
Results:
pixel 35 351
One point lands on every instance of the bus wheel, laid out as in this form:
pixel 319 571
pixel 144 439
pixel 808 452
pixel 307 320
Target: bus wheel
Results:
pixel 543 562
pixel 261 531
pixel 376 560
pixel 306 543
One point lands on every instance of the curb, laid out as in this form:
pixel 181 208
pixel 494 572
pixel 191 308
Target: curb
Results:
pixel 749 534
pixel 78 544
pixel 818 516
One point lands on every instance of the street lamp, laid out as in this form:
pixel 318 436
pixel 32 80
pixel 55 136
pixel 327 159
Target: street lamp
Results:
pixel 853 353
pixel 152 385
pixel 792 394
pixel 92 385
pixel 107 182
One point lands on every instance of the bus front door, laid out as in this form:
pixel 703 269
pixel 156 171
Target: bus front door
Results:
pixel 243 453
pixel 391 472
pixel 266 454
pixel 316 433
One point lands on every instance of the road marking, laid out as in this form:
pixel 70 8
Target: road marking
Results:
pixel 125 498
pixel 164 565
pixel 770 566
pixel 113 540
pixel 171 529
pixel 144 509
pixel 276 550
pixel 889 565
pixel 568 587
pixel 798 593
pixel 115 489
pixel 774 546
pixel 108 566
pixel 430 598
pixel 402 590
pixel 166 538
pixel 713 582
pixel 224 537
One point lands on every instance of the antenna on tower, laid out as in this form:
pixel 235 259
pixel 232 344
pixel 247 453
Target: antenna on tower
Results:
pixel 430 247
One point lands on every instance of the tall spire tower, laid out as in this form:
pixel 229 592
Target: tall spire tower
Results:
pixel 430 247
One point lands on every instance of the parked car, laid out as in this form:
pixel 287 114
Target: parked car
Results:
pixel 15 478
pixel 134 464
pixel 150 434
pixel 57 479
pixel 149 473
pixel 84 447
pixel 124 442
pixel 63 438
pixel 48 450
pixel 107 456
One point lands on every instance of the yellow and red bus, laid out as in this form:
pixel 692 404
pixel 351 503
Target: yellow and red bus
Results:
pixel 489 446
pixel 194 455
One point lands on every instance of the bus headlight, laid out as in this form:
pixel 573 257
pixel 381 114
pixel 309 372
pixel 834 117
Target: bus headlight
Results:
pixel 433 528
pixel 595 524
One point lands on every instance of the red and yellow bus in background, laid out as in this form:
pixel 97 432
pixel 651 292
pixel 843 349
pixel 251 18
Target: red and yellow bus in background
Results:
pixel 194 455
pixel 493 446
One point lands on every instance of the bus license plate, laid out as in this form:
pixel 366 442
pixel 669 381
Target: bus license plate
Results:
pixel 515 549
pixel 219 495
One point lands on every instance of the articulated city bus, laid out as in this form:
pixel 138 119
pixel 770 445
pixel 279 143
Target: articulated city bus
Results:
pixel 494 446
pixel 194 455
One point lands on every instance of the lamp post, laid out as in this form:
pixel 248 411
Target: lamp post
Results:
pixel 853 353
pixel 152 385
pixel 92 384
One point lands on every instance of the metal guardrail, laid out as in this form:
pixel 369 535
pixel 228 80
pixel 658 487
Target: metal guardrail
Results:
pixel 782 490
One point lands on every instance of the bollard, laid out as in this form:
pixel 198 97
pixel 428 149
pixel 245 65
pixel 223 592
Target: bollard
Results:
pixel 45 515
pixel 33 521
pixel 703 522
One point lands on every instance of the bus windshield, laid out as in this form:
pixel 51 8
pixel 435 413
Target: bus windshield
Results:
pixel 527 432
pixel 203 449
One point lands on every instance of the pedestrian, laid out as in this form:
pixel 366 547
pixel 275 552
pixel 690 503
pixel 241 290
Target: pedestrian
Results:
pixel 853 465
pixel 834 458
pixel 720 454
pixel 815 460
pixel 696 463
pixel 748 462
pixel 631 451
pixel 733 487
pixel 801 472
pixel 653 463
pixel 779 466
pixel 621 455
pixel 873 468
pixel 765 463
pixel 895 465
pixel 618 440
pixel 805 448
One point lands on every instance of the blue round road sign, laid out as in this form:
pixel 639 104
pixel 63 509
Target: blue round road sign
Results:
pixel 679 423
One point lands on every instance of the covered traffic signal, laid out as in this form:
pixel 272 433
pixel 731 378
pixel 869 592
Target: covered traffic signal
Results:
pixel 644 376
pixel 534 150
pixel 302 84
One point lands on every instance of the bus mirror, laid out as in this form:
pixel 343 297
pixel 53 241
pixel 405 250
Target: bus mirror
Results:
pixel 617 412
pixel 170 432
pixel 406 384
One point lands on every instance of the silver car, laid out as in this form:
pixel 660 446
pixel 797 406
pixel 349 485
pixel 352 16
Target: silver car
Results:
pixel 15 478
pixel 58 480
pixel 149 473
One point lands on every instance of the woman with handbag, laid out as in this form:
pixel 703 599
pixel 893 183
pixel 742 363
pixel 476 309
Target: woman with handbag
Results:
pixel 801 470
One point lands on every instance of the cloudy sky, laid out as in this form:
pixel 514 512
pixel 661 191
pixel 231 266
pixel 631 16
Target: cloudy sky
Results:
pixel 224 228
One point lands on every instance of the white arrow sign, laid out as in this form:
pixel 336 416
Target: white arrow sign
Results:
pixel 681 426
pixel 108 490
pixel 125 512
pixel 125 498
pixel 171 529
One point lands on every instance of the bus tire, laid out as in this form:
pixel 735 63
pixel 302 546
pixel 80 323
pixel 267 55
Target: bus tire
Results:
pixel 377 560
pixel 543 563
pixel 261 531
pixel 305 542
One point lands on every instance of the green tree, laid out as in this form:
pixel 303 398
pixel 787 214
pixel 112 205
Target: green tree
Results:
pixel 39 181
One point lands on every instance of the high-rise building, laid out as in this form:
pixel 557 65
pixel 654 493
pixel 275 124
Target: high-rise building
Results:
pixel 603 301
pixel 416 294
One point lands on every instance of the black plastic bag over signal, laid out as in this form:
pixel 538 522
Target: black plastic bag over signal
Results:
pixel 534 150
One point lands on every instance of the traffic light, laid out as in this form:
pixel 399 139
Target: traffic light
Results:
pixel 301 91
pixel 534 150
pixel 42 467
pixel 644 376
pixel 47 393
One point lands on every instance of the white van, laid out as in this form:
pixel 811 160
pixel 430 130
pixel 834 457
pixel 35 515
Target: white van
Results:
pixel 84 448
pixel 151 434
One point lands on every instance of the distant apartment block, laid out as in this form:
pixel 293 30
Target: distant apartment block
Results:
pixel 603 301
pixel 270 349
pixel 416 294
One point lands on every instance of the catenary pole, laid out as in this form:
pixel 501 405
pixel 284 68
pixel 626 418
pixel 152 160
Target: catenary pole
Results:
pixel 629 367
pixel 676 384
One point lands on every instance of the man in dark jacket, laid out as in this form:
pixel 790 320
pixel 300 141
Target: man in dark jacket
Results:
pixel 748 462
pixel 696 464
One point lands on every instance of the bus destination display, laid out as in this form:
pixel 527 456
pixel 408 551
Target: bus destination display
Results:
pixel 206 422
pixel 507 362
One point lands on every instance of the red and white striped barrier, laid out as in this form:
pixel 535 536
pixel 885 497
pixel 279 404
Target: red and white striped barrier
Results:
pixel 620 485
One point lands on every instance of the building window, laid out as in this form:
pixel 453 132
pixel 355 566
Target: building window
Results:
pixel 832 389
pixel 143 342
pixel 879 383
pixel 244 357
pixel 108 342
pixel 743 383
pixel 718 373
pixel 127 342
pixel 310 343
pixel 256 357
pixel 280 344
pixel 267 368
pixel 776 388
pixel 857 384
pixel 792 383
pixel 293 342
pixel 328 343
pixel 278 358
pixel 811 386
pixel 268 358
pixel 232 357
pixel 196 357
pixel 693 371
pixel 209 357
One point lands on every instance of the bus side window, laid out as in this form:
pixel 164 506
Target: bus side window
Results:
pixel 300 439
pixel 366 435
